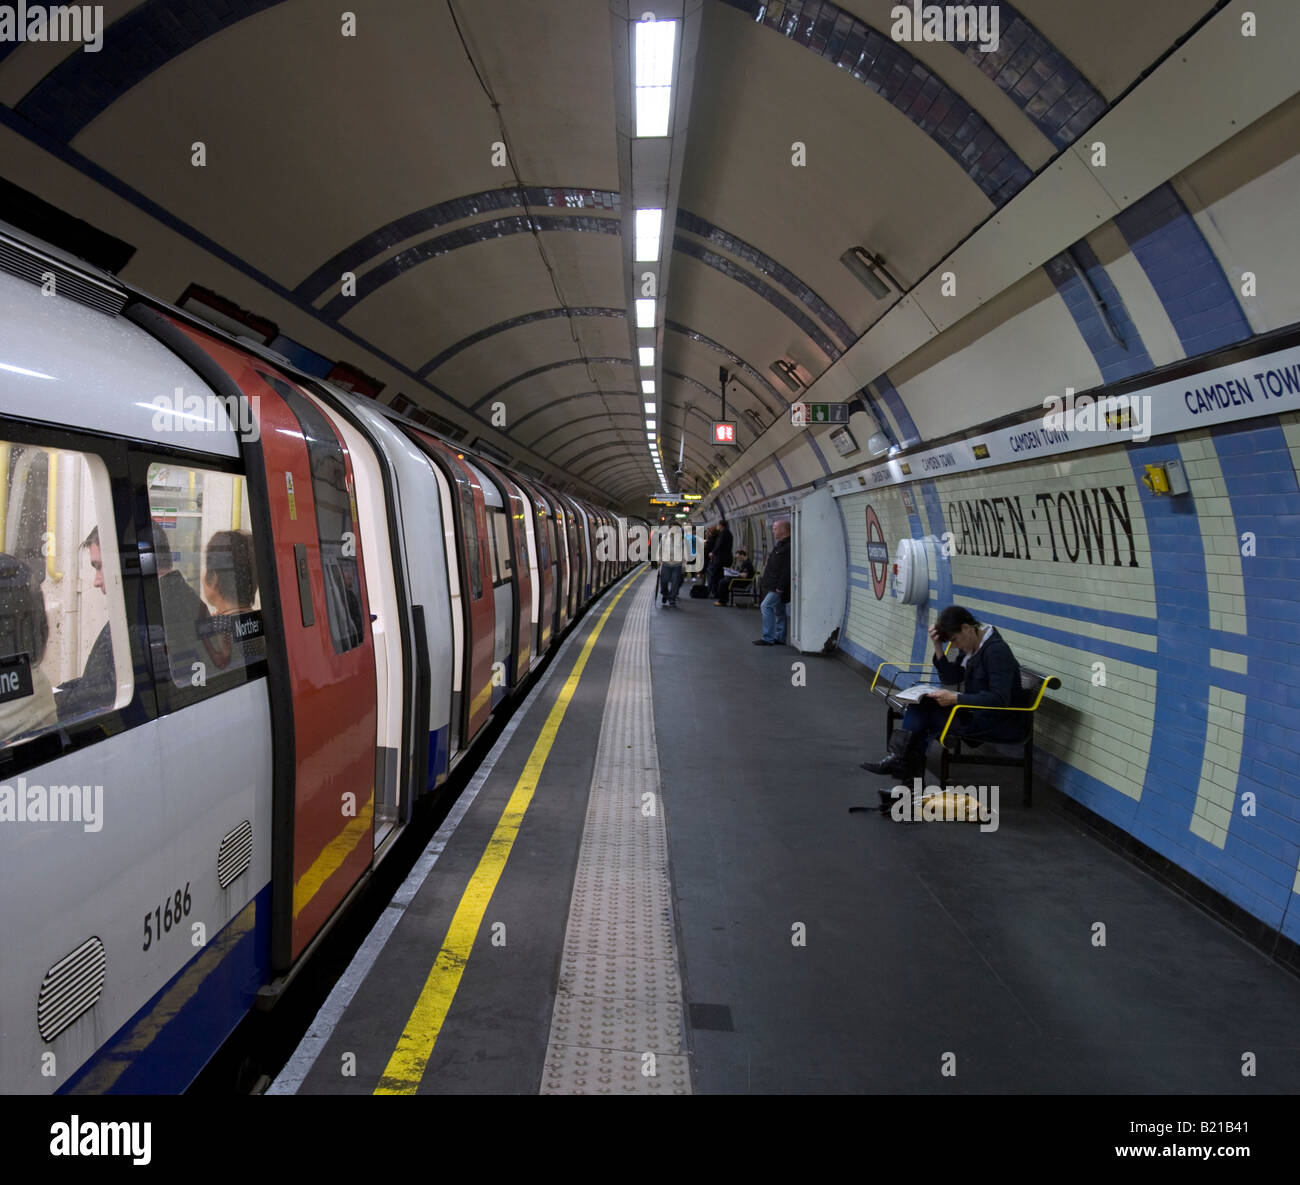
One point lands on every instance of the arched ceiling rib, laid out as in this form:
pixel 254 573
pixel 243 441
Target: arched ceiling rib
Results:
pixel 909 148
pixel 362 251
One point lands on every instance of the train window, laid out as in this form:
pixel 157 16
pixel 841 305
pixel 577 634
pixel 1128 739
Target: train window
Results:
pixel 466 493
pixel 494 569
pixel 501 528
pixel 207 574
pixel 336 526
pixel 60 593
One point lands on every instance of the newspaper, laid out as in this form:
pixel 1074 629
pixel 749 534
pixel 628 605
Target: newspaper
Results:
pixel 913 694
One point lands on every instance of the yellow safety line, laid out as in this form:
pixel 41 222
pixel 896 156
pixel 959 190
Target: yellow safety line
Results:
pixel 406 1067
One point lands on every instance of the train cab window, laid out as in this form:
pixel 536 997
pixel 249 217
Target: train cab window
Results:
pixel 64 650
pixel 207 574
pixel 494 563
pixel 501 530
pixel 466 494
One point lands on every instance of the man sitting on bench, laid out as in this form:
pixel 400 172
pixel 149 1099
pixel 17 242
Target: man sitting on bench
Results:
pixel 989 675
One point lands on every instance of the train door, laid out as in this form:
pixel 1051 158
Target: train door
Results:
pixel 555 541
pixel 387 621
pixel 499 575
pixel 324 832
pixel 575 555
pixel 603 552
pixel 542 532
pixel 512 545
pixel 560 549
pixel 534 570
pixel 469 512
pixel 584 553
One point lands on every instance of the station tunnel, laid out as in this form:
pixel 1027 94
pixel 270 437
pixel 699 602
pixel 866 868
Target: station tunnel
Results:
pixel 984 306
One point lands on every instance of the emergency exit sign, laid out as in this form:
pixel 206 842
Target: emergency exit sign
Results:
pixel 724 431
pixel 804 414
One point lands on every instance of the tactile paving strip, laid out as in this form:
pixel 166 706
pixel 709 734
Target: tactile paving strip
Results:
pixel 618 1026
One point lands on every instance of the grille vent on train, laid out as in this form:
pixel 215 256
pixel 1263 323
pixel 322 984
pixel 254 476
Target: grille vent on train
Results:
pixel 70 988
pixel 28 265
pixel 235 853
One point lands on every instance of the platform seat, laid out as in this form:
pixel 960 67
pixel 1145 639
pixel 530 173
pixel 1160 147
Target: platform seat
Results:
pixel 742 588
pixel 1010 754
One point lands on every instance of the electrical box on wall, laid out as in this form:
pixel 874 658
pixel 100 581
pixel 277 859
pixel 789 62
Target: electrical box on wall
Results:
pixel 911 572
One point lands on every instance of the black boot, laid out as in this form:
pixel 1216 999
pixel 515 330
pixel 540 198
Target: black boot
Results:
pixel 900 760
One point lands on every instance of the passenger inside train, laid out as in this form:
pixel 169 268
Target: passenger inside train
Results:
pixel 26 697
pixel 183 610
pixel 94 690
pixel 233 635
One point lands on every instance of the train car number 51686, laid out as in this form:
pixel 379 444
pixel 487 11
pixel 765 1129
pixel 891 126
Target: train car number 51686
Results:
pixel 161 919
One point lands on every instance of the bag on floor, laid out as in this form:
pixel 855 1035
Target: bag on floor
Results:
pixel 699 592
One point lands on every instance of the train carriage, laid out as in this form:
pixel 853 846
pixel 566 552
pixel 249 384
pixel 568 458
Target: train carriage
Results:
pixel 247 621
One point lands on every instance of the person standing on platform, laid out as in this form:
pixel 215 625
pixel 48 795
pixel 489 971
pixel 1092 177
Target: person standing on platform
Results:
pixel 706 575
pixel 721 560
pixel 775 585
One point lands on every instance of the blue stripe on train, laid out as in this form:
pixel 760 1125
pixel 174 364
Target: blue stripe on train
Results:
pixel 162 1048
pixel 439 756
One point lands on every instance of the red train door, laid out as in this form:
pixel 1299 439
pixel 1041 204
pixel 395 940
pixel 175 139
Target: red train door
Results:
pixel 470 511
pixel 555 541
pixel 328 824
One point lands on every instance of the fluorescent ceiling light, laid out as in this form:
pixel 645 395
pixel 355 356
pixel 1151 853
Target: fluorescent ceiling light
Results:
pixel 650 423
pixel 649 409
pixel 649 225
pixel 649 435
pixel 648 387
pixel 653 45
pixel 866 268
pixel 645 314
pixel 647 355
pixel 786 371
pixel 654 105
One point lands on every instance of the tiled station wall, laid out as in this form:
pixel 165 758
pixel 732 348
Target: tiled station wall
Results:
pixel 1179 655
pixel 1173 623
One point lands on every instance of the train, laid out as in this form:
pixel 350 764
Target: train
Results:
pixel 249 623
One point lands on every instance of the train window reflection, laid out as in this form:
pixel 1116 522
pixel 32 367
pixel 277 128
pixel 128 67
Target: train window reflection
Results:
pixel 336 525
pixel 207 574
pixel 64 655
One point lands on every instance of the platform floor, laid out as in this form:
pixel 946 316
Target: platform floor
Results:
pixel 726 926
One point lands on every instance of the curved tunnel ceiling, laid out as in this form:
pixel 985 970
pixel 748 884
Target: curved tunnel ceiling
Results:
pixel 474 188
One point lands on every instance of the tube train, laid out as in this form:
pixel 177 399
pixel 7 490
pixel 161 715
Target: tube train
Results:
pixel 247 622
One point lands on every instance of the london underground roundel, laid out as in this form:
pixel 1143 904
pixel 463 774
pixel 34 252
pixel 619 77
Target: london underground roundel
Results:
pixel 877 554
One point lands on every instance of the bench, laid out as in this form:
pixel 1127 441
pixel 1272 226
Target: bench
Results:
pixel 951 750
pixel 740 586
